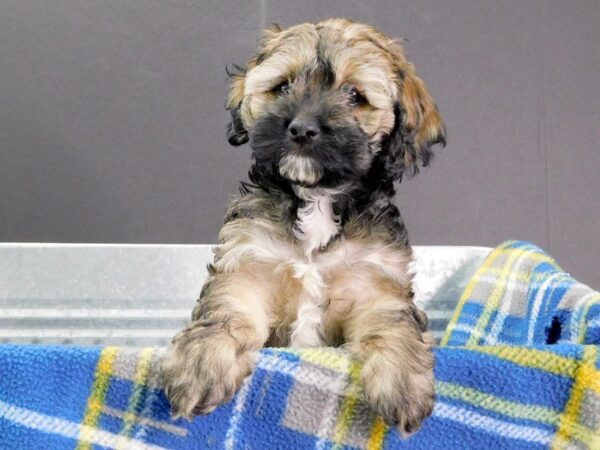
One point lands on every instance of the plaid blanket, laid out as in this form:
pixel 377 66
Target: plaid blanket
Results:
pixel 519 368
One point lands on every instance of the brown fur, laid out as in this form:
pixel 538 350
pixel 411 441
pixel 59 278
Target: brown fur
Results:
pixel 265 286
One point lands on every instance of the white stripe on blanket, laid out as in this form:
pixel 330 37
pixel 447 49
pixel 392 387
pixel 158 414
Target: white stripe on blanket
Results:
pixel 537 304
pixel 273 363
pixel 464 328
pixel 236 416
pixel 490 425
pixel 512 285
pixel 54 425
pixel 576 316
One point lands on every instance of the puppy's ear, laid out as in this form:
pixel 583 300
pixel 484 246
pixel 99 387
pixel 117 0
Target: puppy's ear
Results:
pixel 418 124
pixel 236 131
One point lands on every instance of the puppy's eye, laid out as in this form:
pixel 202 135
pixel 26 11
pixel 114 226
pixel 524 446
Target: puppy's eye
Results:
pixel 282 88
pixel 355 98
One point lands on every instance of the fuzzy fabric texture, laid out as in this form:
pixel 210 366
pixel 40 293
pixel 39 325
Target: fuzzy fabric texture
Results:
pixel 519 368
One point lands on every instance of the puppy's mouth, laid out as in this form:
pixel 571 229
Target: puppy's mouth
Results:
pixel 327 160
pixel 300 168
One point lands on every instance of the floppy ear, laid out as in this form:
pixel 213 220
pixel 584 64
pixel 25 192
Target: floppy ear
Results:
pixel 418 124
pixel 236 131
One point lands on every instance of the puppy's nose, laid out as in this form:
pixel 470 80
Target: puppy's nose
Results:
pixel 303 130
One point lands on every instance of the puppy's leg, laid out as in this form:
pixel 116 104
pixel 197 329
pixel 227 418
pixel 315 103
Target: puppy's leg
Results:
pixel 387 333
pixel 208 360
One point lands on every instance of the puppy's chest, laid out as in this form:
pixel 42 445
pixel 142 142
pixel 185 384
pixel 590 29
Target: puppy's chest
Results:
pixel 316 224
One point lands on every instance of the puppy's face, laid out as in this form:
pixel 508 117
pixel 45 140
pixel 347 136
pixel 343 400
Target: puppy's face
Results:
pixel 322 104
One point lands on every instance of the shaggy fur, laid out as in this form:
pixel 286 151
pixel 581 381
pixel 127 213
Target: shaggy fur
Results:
pixel 313 251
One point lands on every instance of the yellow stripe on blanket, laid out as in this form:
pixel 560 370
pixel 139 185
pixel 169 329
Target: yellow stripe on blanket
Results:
pixel 348 408
pixel 569 427
pixel 534 359
pixel 104 370
pixel 496 404
pixel 489 261
pixel 328 358
pixel 140 379
pixel 378 434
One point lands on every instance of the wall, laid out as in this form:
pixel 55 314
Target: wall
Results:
pixel 112 120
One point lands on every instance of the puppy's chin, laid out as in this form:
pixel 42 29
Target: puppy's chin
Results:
pixel 301 169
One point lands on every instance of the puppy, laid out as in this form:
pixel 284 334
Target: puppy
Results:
pixel 313 251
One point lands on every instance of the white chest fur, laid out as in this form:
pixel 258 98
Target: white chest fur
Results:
pixel 316 224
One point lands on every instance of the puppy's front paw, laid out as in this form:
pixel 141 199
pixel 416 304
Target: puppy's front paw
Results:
pixel 203 369
pixel 401 392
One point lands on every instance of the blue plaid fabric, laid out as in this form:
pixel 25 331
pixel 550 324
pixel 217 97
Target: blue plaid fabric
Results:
pixel 519 369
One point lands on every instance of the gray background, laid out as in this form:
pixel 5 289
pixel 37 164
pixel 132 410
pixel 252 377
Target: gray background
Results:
pixel 112 119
